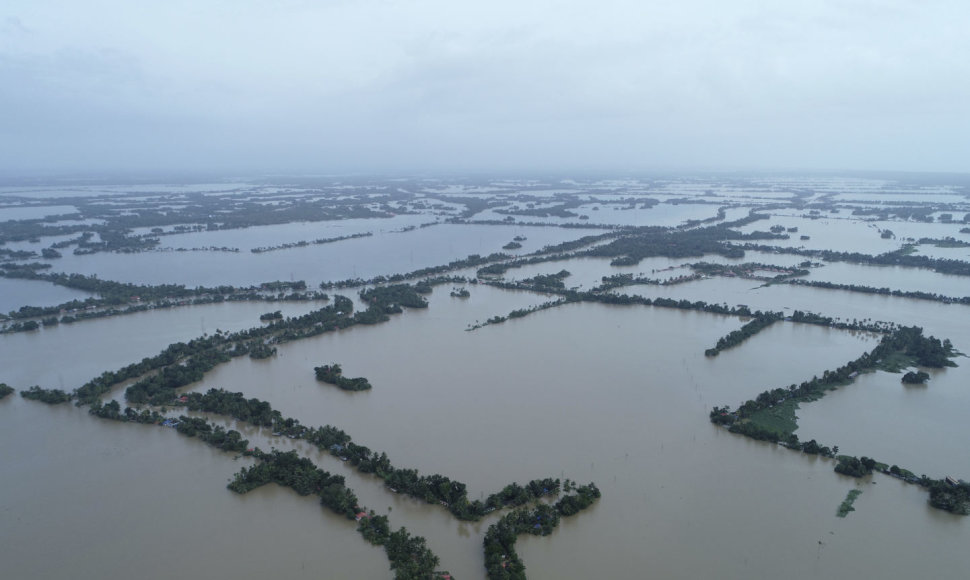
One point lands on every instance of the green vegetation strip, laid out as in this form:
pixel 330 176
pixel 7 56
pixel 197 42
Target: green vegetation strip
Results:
pixel 732 339
pixel 846 506
pixel 771 417
pixel 181 364
pixel 119 298
pixel 501 560
pixel 901 257
pixel 780 418
pixel 916 295
pixel 49 396
pixel 289 470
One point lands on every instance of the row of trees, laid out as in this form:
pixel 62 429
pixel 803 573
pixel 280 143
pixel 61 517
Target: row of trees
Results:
pixel 602 294
pixel 902 341
pixel 408 555
pixel 899 257
pixel 917 294
pixel 299 473
pixel 49 396
pixel 118 298
pixel 653 241
pixel 502 562
pixel 855 466
pixel 434 488
pixel 181 364
pixel 907 341
pixel 761 321
pixel 305 243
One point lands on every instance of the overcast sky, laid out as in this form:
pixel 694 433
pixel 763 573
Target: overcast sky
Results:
pixel 331 86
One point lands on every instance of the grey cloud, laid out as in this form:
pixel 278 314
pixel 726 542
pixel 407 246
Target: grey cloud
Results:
pixel 438 85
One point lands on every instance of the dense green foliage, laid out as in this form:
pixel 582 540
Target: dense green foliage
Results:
pixel 112 410
pixel 261 350
pixel 181 364
pixel 501 560
pixel 160 387
pixel 917 295
pixel 392 296
pixel 288 469
pixel 854 466
pixel 915 377
pixel 49 396
pixel 897 258
pixel 5 390
pixel 119 298
pixel 269 316
pixel 333 374
pixel 409 555
pixel 846 506
pixel 947 242
pixel 548 282
pixel 906 341
pixel 761 321
pixel 432 489
pixel 252 411
pixel 216 436
pixel 305 243
pixel 950 497
pixel 647 242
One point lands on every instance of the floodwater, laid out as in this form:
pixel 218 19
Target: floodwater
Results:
pixel 15 293
pixel 35 212
pixel 615 395
pixel 90 499
pixel 663 214
pixel 381 254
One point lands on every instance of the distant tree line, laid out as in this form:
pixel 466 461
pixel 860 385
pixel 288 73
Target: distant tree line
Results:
pixel 917 295
pixel 304 243
pixel 140 298
pixel 901 257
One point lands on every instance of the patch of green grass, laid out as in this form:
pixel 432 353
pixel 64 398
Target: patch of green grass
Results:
pixel 846 506
pixel 895 363
pixel 780 418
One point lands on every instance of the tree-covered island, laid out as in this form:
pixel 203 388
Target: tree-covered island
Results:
pixel 332 374
pixel 5 390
